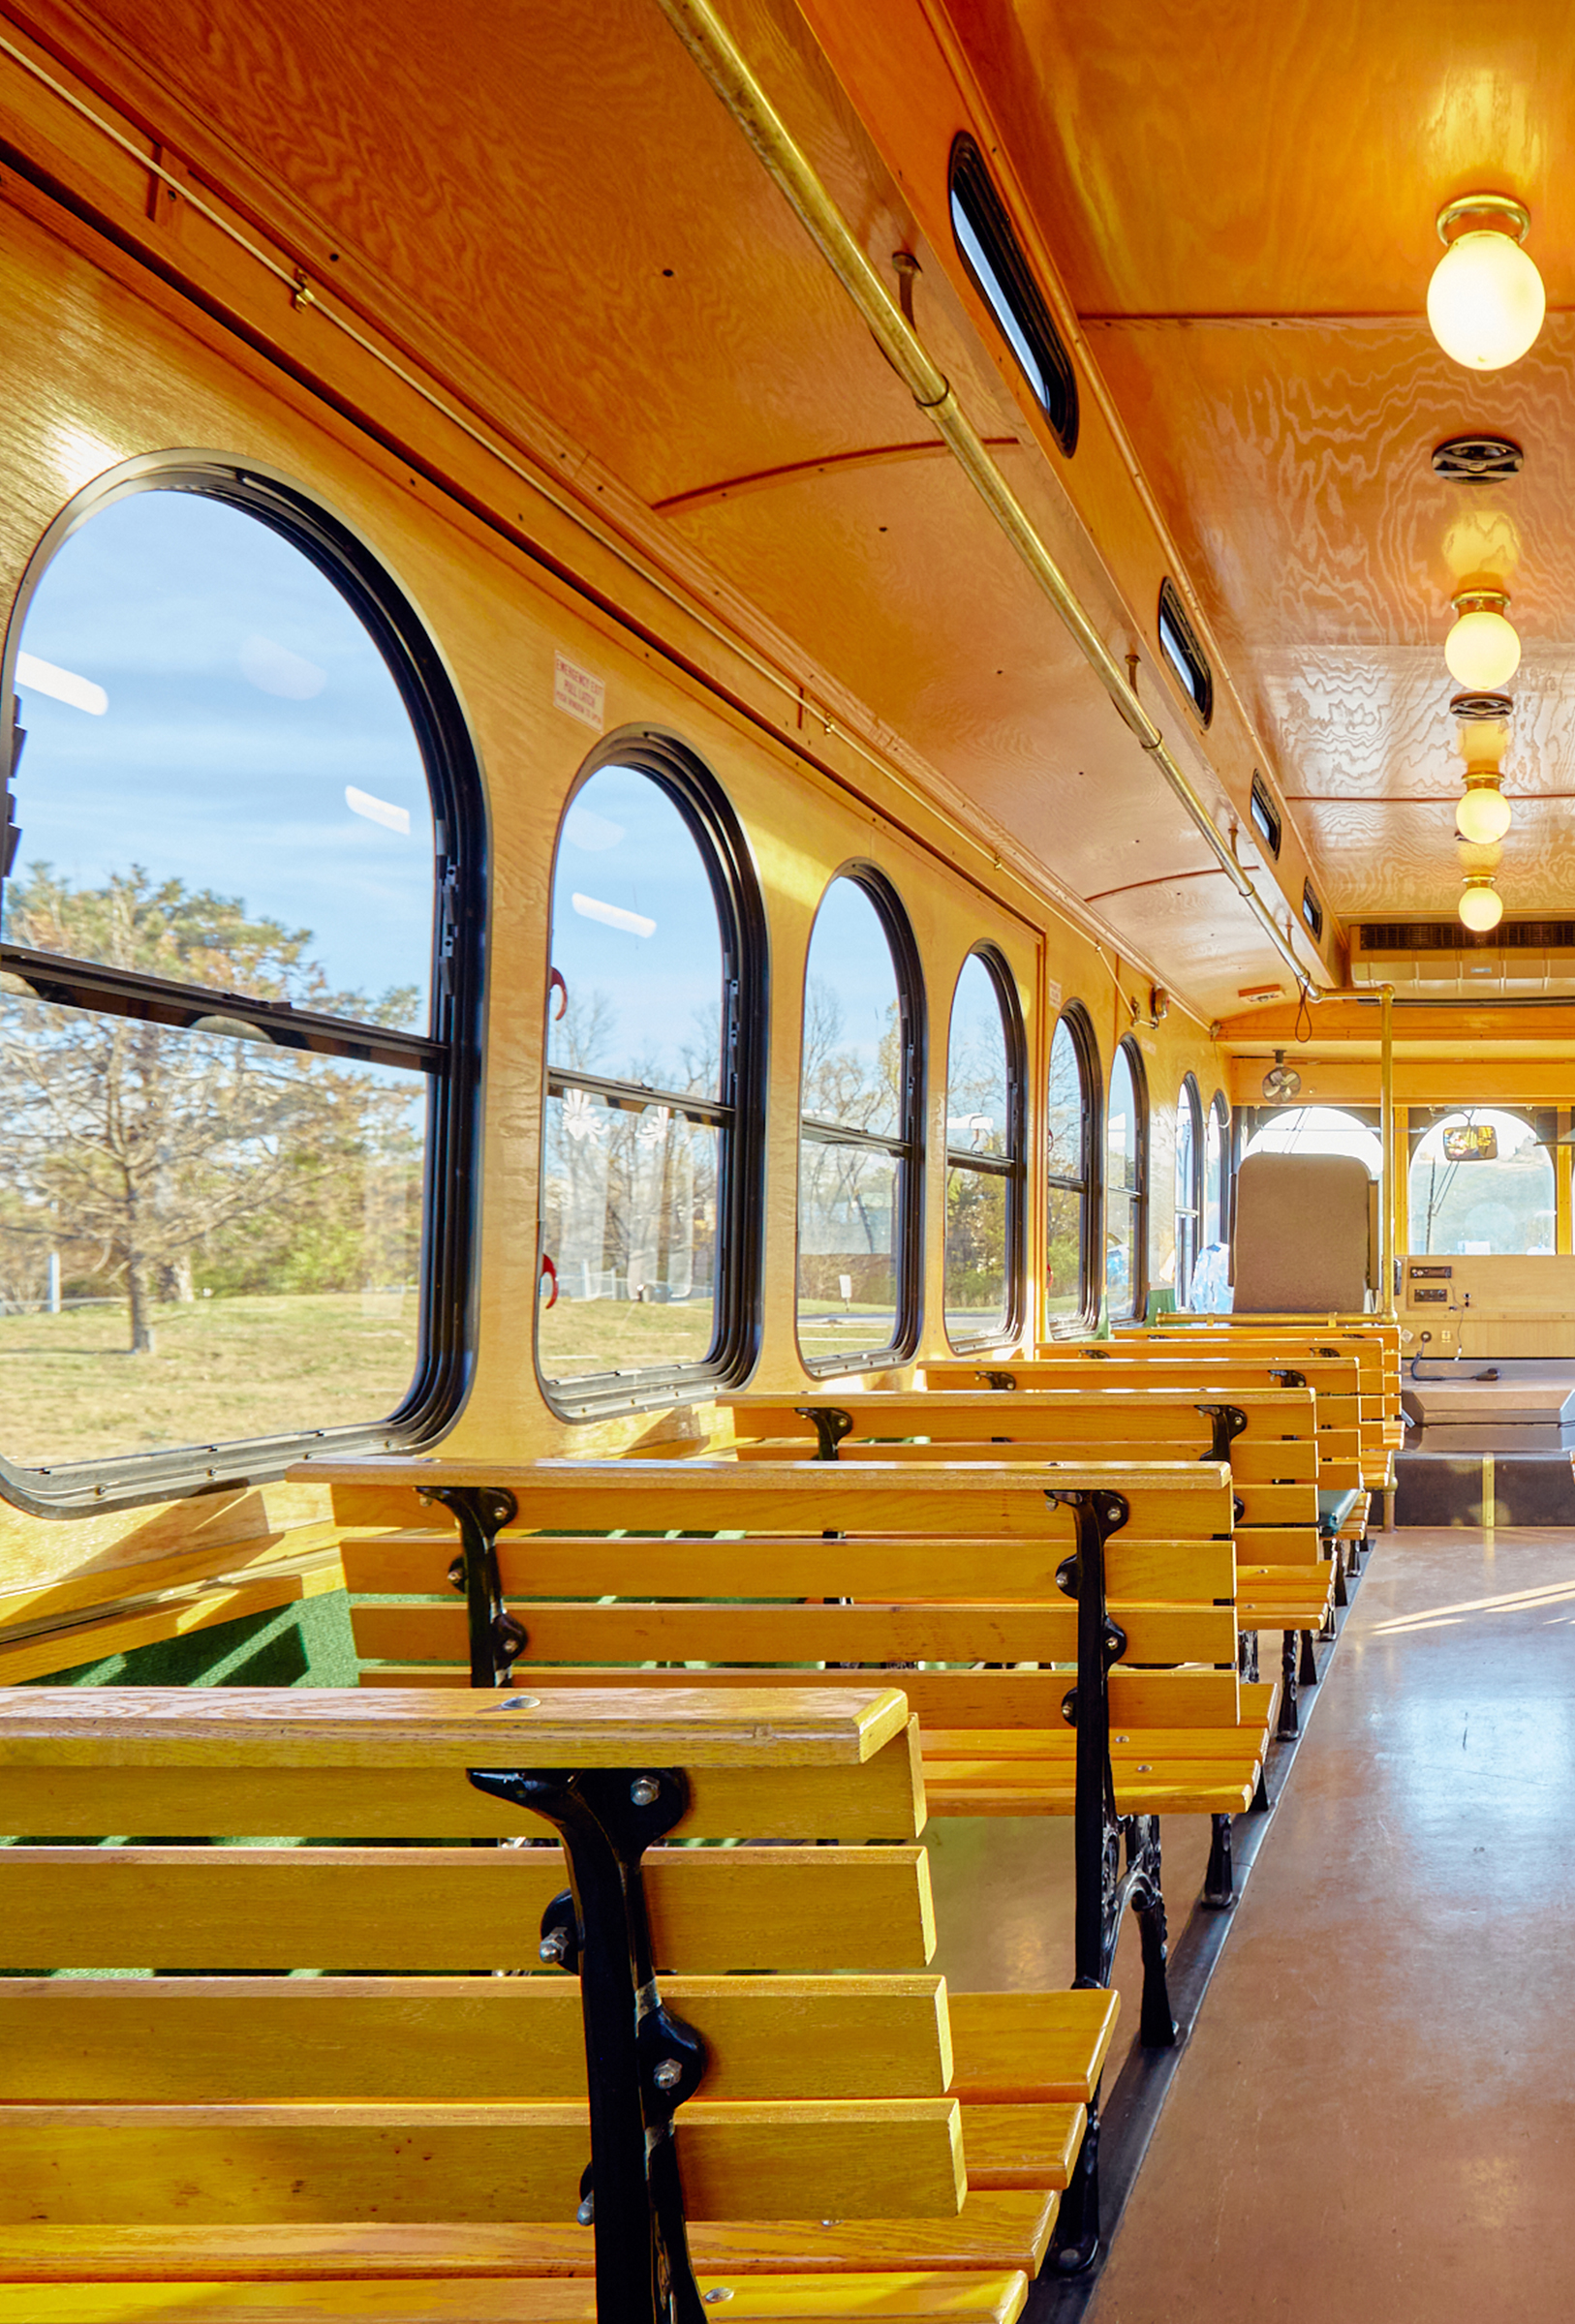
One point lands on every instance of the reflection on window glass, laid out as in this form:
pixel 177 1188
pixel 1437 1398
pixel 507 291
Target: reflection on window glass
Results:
pixel 1318 1131
pixel 243 1219
pixel 1188 1197
pixel 853 1158
pixel 981 1168
pixel 635 1018
pixel 1122 1189
pixel 1479 1207
pixel 1069 1142
pixel 208 718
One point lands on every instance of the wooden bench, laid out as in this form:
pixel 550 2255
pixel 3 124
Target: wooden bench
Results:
pixel 864 1566
pixel 403 2123
pixel 1373 1340
pixel 1284 1583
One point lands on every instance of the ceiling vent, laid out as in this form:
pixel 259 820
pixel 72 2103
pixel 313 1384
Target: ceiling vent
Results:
pixel 1518 956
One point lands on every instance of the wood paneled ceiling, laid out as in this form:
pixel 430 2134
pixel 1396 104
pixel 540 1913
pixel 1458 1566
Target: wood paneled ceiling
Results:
pixel 1242 206
pixel 560 192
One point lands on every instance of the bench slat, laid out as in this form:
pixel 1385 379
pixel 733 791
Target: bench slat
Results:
pixel 613 1726
pixel 801 1565
pixel 1005 1698
pixel 460 1910
pixel 770 2158
pixel 940 2294
pixel 629 1633
pixel 69 2040
pixel 882 1800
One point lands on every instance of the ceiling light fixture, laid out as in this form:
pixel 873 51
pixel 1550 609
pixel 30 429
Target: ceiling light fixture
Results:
pixel 1482 650
pixel 1486 301
pixel 1481 906
pixel 1483 815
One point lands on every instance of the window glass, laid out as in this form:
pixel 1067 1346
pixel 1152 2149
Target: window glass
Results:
pixel 636 940
pixel 205 711
pixel 1482 1205
pixel 211 1202
pixel 1213 1173
pixel 995 259
pixel 638 1120
pixel 983 1167
pixel 855 1149
pixel 1123 1189
pixel 1317 1130
pixel 1189 1201
pixel 1070 1143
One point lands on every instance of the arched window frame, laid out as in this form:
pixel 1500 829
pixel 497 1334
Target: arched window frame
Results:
pixel 450 1051
pixel 1088 1182
pixel 1217 1228
pixel 1012 1166
pixel 740 1108
pixel 1189 1218
pixel 908 1147
pixel 1128 1048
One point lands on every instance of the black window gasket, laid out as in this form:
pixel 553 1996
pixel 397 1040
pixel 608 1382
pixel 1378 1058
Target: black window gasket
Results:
pixel 738 1111
pixel 1088 1184
pixel 972 190
pixel 1312 912
pixel 1190 1100
pixel 1265 815
pixel 450 1052
pixel 1012 1165
pixel 1182 654
pixel 1139 1189
pixel 907 1147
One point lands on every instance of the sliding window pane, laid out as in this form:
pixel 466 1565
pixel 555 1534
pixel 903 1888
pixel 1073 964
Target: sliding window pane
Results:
pixel 629 1220
pixel 853 1050
pixel 1064 1270
pixel 977 1292
pixel 1123 1180
pixel 848 1223
pixel 202 1236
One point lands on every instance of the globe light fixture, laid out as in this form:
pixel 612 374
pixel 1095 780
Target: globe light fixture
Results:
pixel 1485 301
pixel 1484 815
pixel 1482 650
pixel 1481 906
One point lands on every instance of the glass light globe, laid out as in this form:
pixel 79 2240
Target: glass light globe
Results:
pixel 1485 301
pixel 1484 815
pixel 1481 907
pixel 1482 651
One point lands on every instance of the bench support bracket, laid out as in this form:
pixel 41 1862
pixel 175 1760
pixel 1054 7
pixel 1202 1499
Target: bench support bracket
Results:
pixel 641 2061
pixel 831 1425
pixel 1228 1422
pixel 496 1638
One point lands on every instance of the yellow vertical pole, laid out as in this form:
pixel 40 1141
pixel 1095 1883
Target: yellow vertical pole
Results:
pixel 1564 1239
pixel 1402 1191
pixel 1386 1139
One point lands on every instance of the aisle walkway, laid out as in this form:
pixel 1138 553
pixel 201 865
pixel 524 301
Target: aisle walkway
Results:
pixel 1375 2116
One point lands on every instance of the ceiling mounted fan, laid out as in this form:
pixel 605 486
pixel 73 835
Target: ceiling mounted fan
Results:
pixel 1282 1083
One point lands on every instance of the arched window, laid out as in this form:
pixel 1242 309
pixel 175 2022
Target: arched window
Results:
pixel 984 1156
pixel 238 1043
pixel 650 1180
pixel 1125 1186
pixel 859 1147
pixel 1189 1188
pixel 1073 1112
pixel 1481 1182
pixel 1216 1172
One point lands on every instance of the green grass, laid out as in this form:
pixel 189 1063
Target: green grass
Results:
pixel 251 1366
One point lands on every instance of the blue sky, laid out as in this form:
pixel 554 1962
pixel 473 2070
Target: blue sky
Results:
pixel 244 700
pixel 634 919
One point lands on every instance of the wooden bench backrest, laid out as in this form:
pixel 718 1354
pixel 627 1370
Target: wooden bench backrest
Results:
pixel 409 2081
pixel 954 1565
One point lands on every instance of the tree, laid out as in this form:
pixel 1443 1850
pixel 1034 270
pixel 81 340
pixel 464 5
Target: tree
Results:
pixel 145 1146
